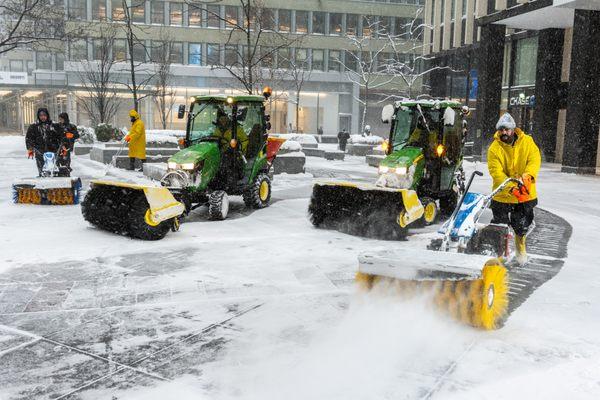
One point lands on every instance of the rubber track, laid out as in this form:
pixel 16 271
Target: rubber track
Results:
pixel 549 239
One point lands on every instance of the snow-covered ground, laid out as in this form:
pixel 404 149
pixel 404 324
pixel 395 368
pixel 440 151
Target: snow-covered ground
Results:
pixel 263 306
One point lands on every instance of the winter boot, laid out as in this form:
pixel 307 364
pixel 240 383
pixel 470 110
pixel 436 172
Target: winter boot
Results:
pixel 521 251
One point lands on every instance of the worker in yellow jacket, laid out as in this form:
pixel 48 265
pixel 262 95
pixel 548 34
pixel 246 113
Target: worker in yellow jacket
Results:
pixel 136 139
pixel 514 154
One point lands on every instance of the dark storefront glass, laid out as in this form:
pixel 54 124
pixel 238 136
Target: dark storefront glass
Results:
pixel 526 61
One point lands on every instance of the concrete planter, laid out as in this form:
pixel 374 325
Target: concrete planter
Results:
pixel 309 146
pixel 334 155
pixel 373 159
pixel 81 149
pixel 104 152
pixel 314 152
pixel 359 149
pixel 291 163
pixel 123 161
pixel 326 138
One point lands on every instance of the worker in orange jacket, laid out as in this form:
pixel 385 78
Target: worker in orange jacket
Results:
pixel 514 154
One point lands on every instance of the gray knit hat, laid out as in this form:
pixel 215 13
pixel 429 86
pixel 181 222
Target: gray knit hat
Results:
pixel 506 121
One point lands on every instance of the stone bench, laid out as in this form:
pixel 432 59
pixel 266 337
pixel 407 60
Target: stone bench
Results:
pixel 374 159
pixel 314 152
pixel 334 155
pixel 309 145
pixel 326 138
pixel 359 149
pixel 290 163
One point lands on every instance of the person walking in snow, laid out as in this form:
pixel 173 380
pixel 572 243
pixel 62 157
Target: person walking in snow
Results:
pixel 69 135
pixel 343 137
pixel 514 154
pixel 42 136
pixel 137 140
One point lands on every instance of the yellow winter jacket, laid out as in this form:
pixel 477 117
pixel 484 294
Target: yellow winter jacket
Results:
pixel 505 160
pixel 137 134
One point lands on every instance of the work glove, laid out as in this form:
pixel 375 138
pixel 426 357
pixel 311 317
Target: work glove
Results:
pixel 527 180
pixel 521 193
pixel 63 152
pixel 69 135
pixel 127 138
pixel 29 153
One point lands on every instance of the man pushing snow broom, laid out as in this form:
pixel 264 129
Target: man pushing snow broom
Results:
pixel 514 154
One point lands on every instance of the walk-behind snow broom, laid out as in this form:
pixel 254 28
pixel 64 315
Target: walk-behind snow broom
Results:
pixel 54 186
pixel 456 269
pixel 226 152
pixel 420 177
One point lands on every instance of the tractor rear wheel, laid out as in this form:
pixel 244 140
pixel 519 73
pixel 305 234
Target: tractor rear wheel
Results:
pixel 258 194
pixel 218 205
pixel 431 211
pixel 140 225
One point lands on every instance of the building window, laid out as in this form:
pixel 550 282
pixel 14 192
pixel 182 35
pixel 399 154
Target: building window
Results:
pixel 352 60
pixel 301 21
pixel 283 57
pixel 370 25
pixel 268 57
pixel 213 54
pixel 213 16
pixel 285 20
pixel 99 10
pixel 118 12
pixel 267 19
pixel 98 49
pixel 318 23
pixel 138 11
pixel 301 57
pixel 43 60
pixel 195 54
pixel 176 14
pixel 139 52
pixel 194 15
pixel 525 61
pixel 78 9
pixel 158 51
pixel 16 65
pixel 59 59
pixel 334 60
pixel 335 24
pixel 352 24
pixel 120 50
pixel 385 25
pixel 231 55
pixel 158 12
pixel 318 59
pixel 176 53
pixel 231 17
pixel 78 50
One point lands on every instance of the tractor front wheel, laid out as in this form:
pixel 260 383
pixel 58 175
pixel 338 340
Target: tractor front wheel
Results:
pixel 258 194
pixel 218 205
pixel 141 226
pixel 430 212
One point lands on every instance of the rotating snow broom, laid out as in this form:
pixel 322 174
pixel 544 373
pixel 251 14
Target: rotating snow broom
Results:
pixel 54 186
pixel 456 270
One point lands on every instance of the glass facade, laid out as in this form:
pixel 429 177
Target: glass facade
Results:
pixel 195 54
pixel 525 64
pixel 157 10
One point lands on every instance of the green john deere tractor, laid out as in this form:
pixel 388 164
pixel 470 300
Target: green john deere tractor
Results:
pixel 420 178
pixel 226 152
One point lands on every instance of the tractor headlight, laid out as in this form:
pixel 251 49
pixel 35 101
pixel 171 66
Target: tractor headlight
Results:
pixel 188 166
pixel 401 170
pixel 172 165
pixel 383 169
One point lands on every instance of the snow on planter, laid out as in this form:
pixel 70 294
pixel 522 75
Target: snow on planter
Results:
pixel 290 146
pixel 296 137
pixel 370 140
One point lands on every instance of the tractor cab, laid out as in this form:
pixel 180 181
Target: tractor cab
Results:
pixel 424 150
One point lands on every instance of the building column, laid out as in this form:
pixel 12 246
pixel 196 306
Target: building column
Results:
pixel 583 115
pixel 548 90
pixel 490 62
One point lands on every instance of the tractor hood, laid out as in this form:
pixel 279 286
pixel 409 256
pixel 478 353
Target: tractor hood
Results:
pixel 196 153
pixel 404 157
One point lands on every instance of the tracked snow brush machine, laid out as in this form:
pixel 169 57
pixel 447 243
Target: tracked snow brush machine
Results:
pixel 420 177
pixel 226 152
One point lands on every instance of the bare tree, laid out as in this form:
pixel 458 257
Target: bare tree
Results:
pixel 408 62
pixel 100 100
pixel 25 23
pixel 366 65
pixel 251 43
pixel 164 94
pixel 140 73
pixel 298 70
